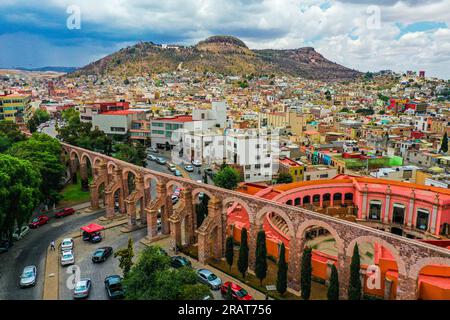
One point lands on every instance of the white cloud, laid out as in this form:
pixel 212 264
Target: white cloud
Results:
pixel 324 24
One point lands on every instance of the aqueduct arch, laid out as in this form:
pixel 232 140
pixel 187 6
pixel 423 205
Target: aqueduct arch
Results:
pixel 109 172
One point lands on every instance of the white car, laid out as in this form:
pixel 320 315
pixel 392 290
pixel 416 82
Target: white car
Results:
pixel 197 163
pixel 67 258
pixel 67 244
pixel 20 233
pixel 171 167
pixel 175 199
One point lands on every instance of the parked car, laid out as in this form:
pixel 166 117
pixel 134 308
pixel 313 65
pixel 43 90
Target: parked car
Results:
pixel 82 289
pixel 197 163
pixel 38 221
pixel 67 244
pixel 154 150
pixel 64 212
pixel 179 261
pixel 28 277
pixel 67 258
pixel 209 172
pixel 171 167
pixel 177 173
pixel 210 279
pixel 151 157
pixel 237 292
pixel 189 168
pixel 92 237
pixel 113 286
pixel 5 245
pixel 20 233
pixel 161 161
pixel 101 254
pixel 175 199
pixel 177 192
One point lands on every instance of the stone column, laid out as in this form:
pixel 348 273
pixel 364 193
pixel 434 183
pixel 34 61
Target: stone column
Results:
pixel 406 288
pixel 152 223
pixel 94 197
pixel 294 265
pixel 189 216
pixel 73 170
pixel 387 205
pixel 84 177
pixel 131 211
pixel 109 204
pixel 252 235
pixel 122 208
pixel 343 275
pixel 214 212
pixel 203 247
pixel 175 233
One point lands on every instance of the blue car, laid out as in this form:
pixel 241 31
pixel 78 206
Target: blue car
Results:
pixel 177 173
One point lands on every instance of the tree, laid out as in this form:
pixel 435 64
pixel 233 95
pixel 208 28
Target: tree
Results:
pixel 38 117
pixel 333 289
pixel 229 251
pixel 305 279
pixel 284 177
pixel 261 256
pixel 354 287
pixel 227 178
pixel 243 253
pixel 9 134
pixel 19 193
pixel 229 294
pixel 444 144
pixel 152 278
pixel 132 154
pixel 282 271
pixel 44 153
pixel 125 257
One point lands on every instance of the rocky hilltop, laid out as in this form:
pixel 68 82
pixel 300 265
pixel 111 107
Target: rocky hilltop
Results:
pixel 220 54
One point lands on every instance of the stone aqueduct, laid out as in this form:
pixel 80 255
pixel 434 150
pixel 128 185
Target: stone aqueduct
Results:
pixel 110 182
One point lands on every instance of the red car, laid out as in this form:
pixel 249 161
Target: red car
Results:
pixel 237 292
pixel 38 221
pixel 64 212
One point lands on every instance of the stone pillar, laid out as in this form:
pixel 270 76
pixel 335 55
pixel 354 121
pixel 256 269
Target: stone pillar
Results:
pixel 131 211
pixel 203 247
pixel 143 214
pixel 214 212
pixel 152 223
pixel 406 288
pixel 94 197
pixel 189 216
pixel 175 233
pixel 109 204
pixel 122 208
pixel 147 196
pixel 411 209
pixel 387 205
pixel 252 235
pixel 84 177
pixel 73 170
pixel 294 265
pixel 343 275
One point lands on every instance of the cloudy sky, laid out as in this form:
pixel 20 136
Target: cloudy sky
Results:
pixel 361 34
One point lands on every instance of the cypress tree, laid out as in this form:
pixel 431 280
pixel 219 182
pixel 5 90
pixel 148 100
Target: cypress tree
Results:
pixel 444 144
pixel 354 287
pixel 282 271
pixel 261 257
pixel 229 251
pixel 333 289
pixel 305 277
pixel 243 253
pixel 229 294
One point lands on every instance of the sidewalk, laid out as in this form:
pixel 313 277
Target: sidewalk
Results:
pixel 51 271
pixel 166 244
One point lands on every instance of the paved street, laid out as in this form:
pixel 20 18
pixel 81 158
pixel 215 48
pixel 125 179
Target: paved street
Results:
pixel 31 250
pixel 97 272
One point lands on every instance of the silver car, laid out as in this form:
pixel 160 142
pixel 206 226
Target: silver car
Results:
pixel 28 277
pixel 210 279
pixel 20 233
pixel 67 258
pixel 82 289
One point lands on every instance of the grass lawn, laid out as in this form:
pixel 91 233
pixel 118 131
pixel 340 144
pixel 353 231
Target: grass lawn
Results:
pixel 72 194
pixel 318 291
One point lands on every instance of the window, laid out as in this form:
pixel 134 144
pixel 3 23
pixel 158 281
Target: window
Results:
pixel 422 219
pixel 117 129
pixel 257 166
pixel 398 215
pixel 375 210
pixel 158 131
pixel 158 124
pixel 323 176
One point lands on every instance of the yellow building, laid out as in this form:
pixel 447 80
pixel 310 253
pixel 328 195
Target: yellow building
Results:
pixel 15 108
pixel 294 168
